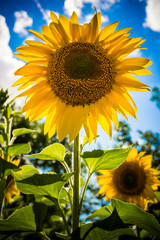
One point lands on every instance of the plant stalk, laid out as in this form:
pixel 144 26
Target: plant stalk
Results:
pixel 76 183
pixel 83 193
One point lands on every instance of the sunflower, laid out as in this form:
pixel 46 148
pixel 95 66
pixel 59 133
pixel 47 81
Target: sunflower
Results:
pixel 10 187
pixel 133 181
pixel 79 76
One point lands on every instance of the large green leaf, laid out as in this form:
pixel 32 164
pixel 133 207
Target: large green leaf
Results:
pixel 105 160
pixel 29 170
pixel 41 184
pixel 100 213
pixel 18 149
pixel 26 219
pixel 110 228
pixel 132 214
pixel 20 131
pixel 55 151
pixel 6 168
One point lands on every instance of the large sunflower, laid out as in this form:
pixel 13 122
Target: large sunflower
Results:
pixel 79 76
pixel 133 181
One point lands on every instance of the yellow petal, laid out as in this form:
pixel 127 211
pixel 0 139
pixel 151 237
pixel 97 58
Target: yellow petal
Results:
pixel 28 70
pixel 108 30
pixel 53 37
pixel 40 36
pixel 53 16
pixel 136 61
pixel 65 23
pixel 74 18
pixel 105 123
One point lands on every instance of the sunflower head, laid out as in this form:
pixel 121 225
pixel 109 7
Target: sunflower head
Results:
pixel 80 76
pixel 133 181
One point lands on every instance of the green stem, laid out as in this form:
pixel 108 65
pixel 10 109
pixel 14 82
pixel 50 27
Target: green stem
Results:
pixel 70 200
pixel 64 219
pixel 83 193
pixel 45 235
pixel 76 170
pixel 55 201
pixel 68 171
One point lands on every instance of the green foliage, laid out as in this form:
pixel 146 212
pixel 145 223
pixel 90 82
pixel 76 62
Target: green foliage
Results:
pixel 110 228
pixel 55 151
pixel 3 97
pixel 104 160
pixel 21 131
pixel 42 184
pixel 26 219
pixel 6 168
pixel 18 149
pixel 156 96
pixel 130 214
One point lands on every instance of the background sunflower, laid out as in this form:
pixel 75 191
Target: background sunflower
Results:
pixel 133 181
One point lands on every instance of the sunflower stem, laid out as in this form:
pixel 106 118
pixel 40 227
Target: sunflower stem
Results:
pixel 83 193
pixel 76 183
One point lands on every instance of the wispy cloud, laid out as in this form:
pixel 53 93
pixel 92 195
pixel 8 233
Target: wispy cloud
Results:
pixel 77 5
pixel 45 12
pixel 22 22
pixel 8 63
pixel 152 19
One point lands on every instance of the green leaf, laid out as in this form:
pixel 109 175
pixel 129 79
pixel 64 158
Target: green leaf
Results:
pixel 55 151
pixel 20 131
pixel 46 201
pixel 41 184
pixel 157 195
pixel 2 125
pixel 26 219
pixel 105 160
pixel 56 218
pixel 85 140
pixel 3 137
pixel 7 167
pixel 3 236
pixel 29 170
pixel 132 214
pixel 109 228
pixel 62 236
pixel 100 213
pixel 7 112
pixel 18 149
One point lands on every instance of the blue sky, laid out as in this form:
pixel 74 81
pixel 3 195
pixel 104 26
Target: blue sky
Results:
pixel 143 16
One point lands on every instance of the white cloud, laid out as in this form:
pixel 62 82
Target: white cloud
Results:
pixel 30 37
pixel 152 19
pixel 8 63
pixel 45 12
pixel 73 5
pixel 135 53
pixel 22 21
pixel 104 18
pixel 77 5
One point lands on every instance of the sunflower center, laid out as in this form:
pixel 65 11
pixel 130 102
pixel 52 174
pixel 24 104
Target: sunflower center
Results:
pixel 130 179
pixel 80 73
pixel 80 66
